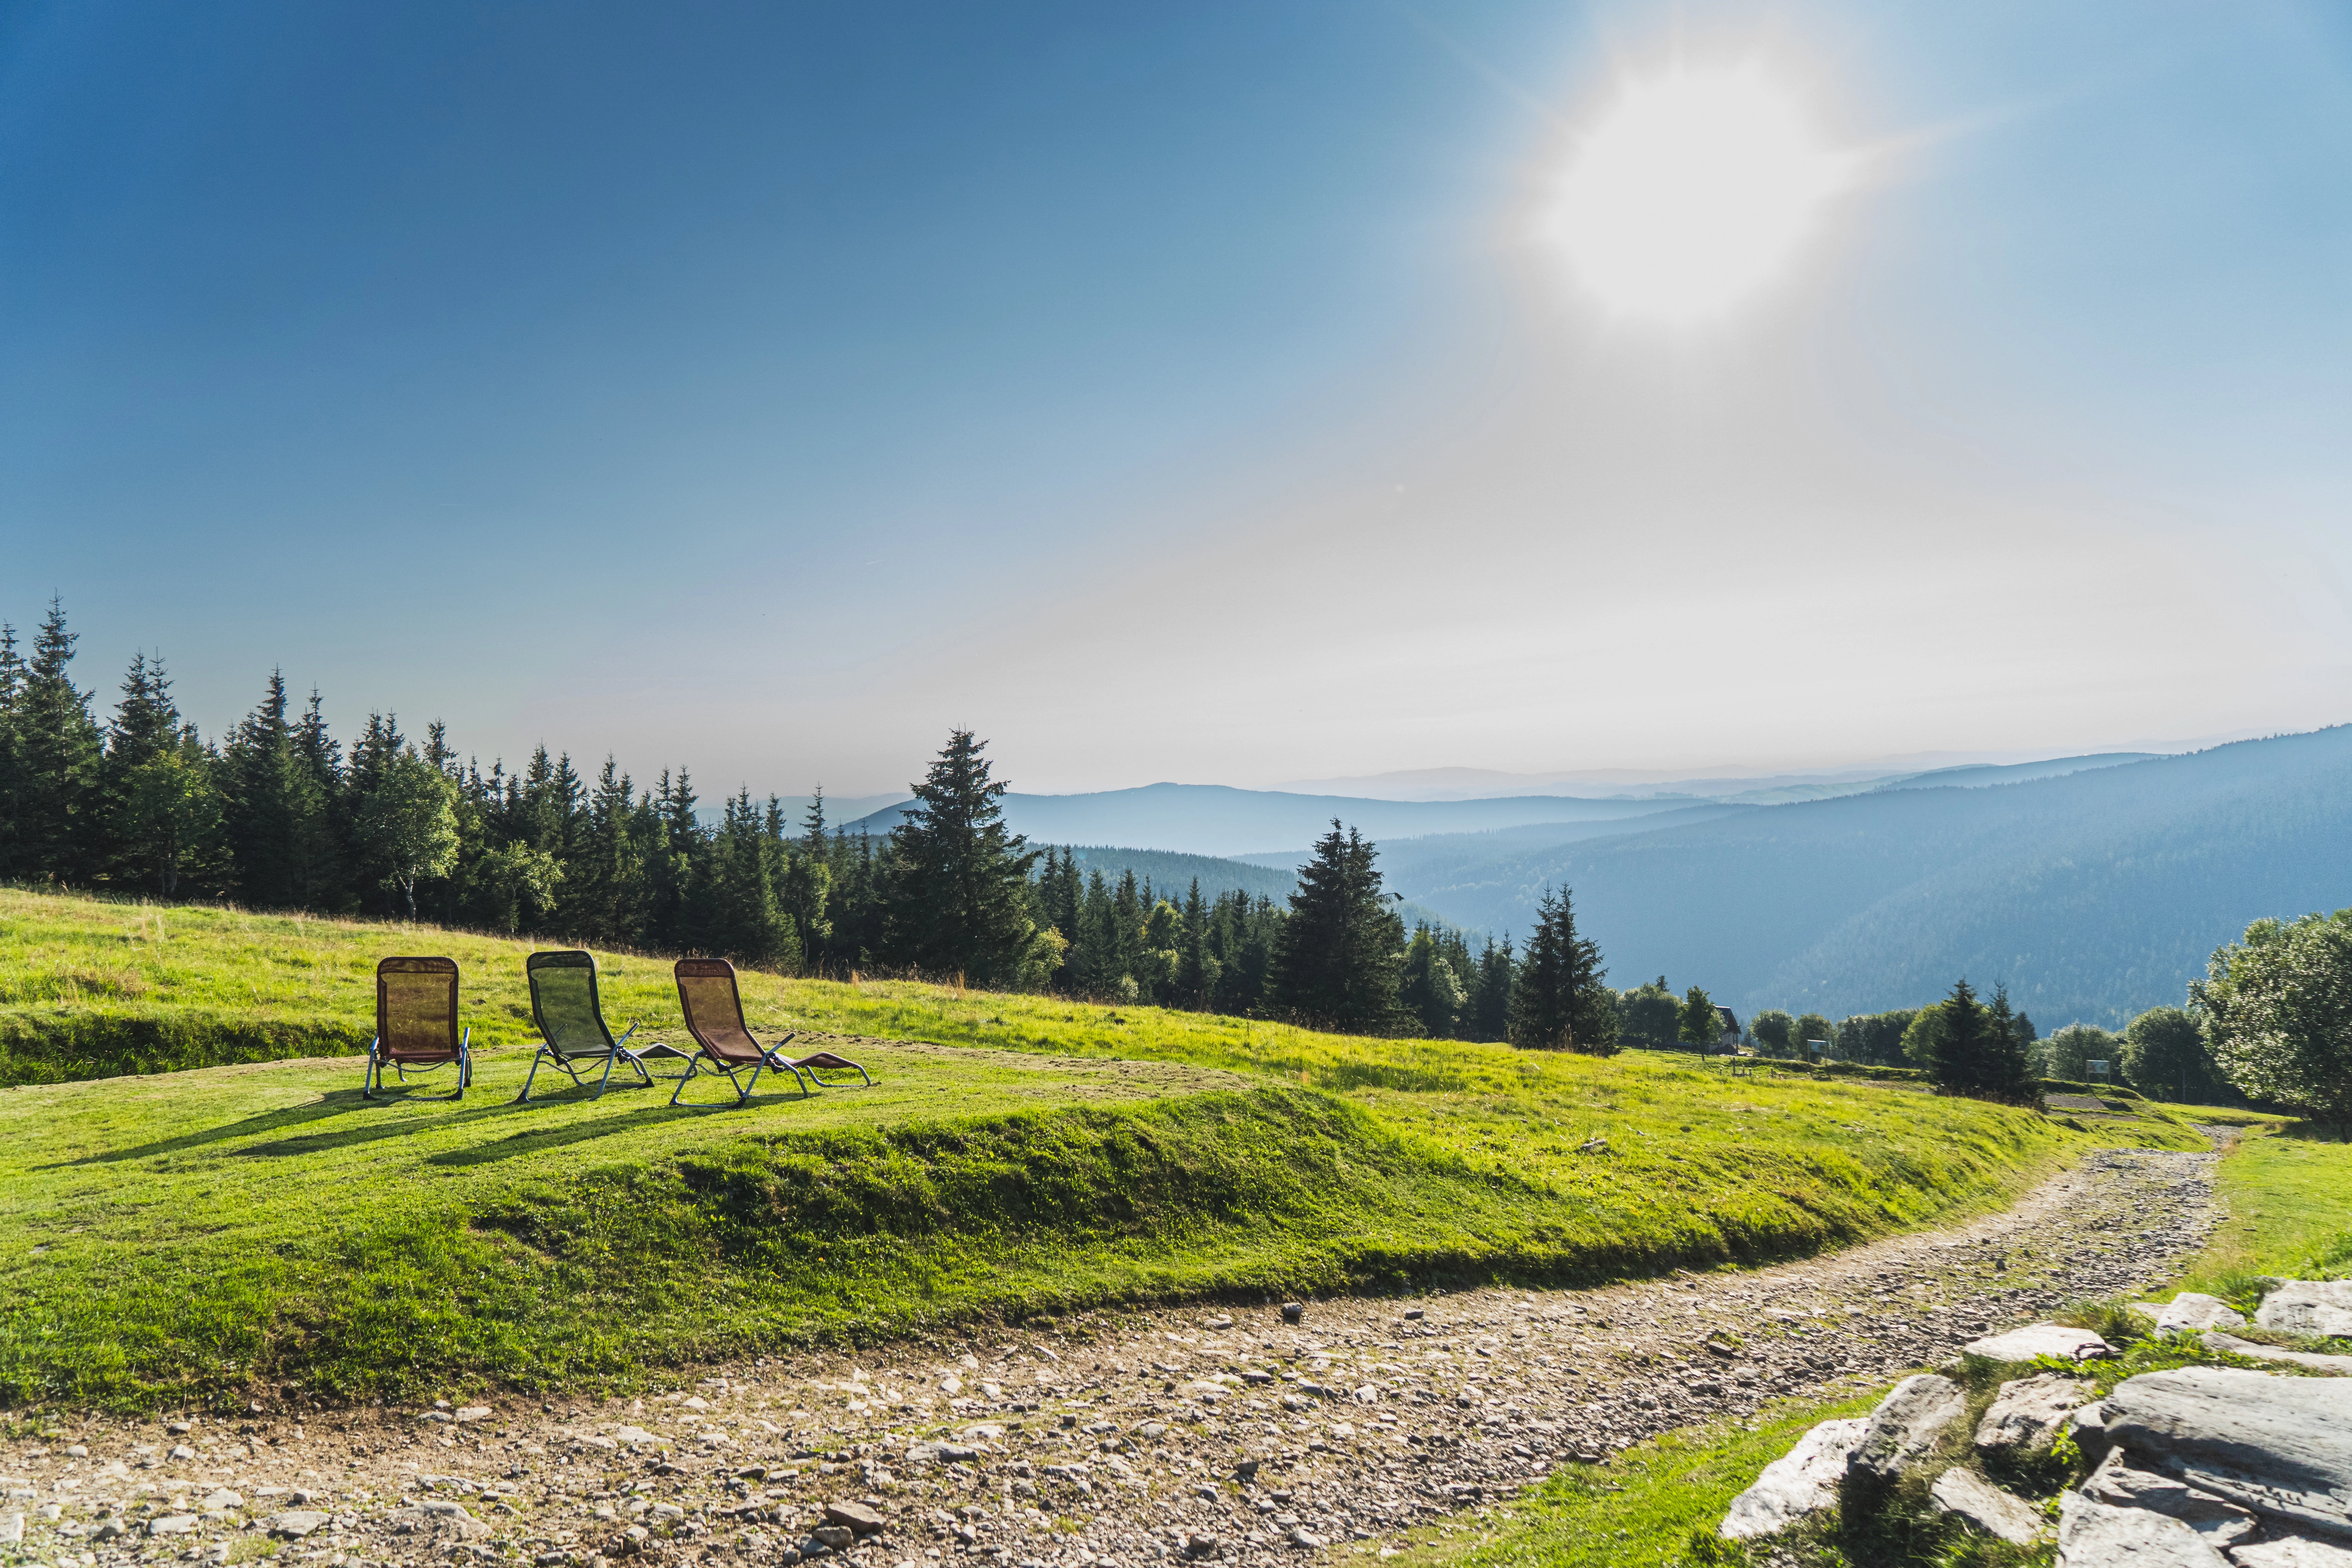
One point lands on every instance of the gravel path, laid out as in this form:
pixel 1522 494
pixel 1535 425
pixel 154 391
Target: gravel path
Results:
pixel 1110 1439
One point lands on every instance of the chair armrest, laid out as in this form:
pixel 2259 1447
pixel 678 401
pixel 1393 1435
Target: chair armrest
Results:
pixel 626 1032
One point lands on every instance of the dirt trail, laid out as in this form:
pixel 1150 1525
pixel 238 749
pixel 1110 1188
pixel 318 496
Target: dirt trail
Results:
pixel 1109 1440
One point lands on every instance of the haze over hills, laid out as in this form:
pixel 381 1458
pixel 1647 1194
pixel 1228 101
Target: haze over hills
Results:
pixel 1265 825
pixel 1213 819
pixel 2092 895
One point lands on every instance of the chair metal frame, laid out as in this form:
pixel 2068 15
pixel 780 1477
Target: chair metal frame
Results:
pixel 612 1049
pixel 382 1050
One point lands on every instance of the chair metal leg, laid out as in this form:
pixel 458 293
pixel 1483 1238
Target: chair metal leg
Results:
pixel 608 1075
pixel 524 1098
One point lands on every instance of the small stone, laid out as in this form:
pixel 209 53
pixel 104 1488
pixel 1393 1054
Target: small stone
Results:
pixel 837 1537
pixel 1292 1311
pixel 296 1522
pixel 1963 1492
pixel 214 1501
pixel 110 1528
pixel 178 1428
pixel 1905 1426
pixel 471 1412
pixel 182 1451
pixel 1801 1481
pixel 634 1436
pixel 1412 1314
pixel 1218 1325
pixel 856 1516
pixel 173 1524
pixel 1369 1394
pixel 2028 1412
pixel 12 1529
pixel 2040 1340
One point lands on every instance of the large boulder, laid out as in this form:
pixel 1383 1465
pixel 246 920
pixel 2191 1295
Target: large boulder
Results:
pixel 2029 1412
pixel 1905 1426
pixel 2040 1340
pixel 2308 1307
pixel 2100 1535
pixel 1801 1481
pixel 2279 1446
pixel 2120 1484
pixel 1963 1492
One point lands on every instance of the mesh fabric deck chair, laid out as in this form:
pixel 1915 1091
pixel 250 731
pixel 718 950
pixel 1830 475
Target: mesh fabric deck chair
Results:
pixel 714 1011
pixel 714 1016
pixel 417 1023
pixel 563 1003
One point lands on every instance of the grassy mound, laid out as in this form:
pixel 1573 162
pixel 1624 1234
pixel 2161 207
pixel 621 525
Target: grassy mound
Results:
pixel 185 1233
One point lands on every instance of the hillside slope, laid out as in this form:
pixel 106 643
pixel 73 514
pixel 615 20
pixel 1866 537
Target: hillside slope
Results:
pixel 2092 895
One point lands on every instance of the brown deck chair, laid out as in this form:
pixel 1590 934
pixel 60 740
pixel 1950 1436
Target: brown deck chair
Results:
pixel 571 1019
pixel 714 1016
pixel 417 1023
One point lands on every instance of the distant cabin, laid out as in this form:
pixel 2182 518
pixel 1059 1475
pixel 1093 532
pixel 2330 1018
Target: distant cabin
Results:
pixel 1731 1027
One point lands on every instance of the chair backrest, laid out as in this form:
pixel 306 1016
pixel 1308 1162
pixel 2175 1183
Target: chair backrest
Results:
pixel 416 1009
pixel 714 1009
pixel 563 1003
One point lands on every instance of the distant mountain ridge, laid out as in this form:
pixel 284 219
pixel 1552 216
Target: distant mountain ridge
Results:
pixel 2092 895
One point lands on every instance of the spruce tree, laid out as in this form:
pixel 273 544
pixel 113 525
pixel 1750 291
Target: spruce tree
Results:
pixel 60 813
pixel 1430 986
pixel 2007 1073
pixel 1559 998
pixel 807 888
pixel 1957 1051
pixel 1697 1022
pixel 1196 976
pixel 958 901
pixel 1337 955
pixel 12 760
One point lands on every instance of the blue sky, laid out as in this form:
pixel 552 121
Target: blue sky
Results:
pixel 1180 393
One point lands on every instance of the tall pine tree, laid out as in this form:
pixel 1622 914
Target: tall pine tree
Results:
pixel 1337 957
pixel 1559 998
pixel 59 809
pixel 958 901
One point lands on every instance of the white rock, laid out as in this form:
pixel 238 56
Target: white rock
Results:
pixel 2291 1551
pixel 1962 1491
pixel 2028 1412
pixel 2279 1446
pixel 224 1497
pixel 12 1529
pixel 2216 1339
pixel 2040 1340
pixel 296 1524
pixel 173 1524
pixel 1905 1426
pixel 2308 1307
pixel 2100 1535
pixel 2194 1310
pixel 2120 1484
pixel 474 1413
pixel 636 1437
pixel 1801 1481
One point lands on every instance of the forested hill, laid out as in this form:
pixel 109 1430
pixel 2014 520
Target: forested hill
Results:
pixel 2092 896
pixel 1171 874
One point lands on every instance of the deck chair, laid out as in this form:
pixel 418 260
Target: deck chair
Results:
pixel 572 1029
pixel 417 1023
pixel 714 1016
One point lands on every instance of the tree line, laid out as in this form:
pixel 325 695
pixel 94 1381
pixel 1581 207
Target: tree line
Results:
pixel 281 813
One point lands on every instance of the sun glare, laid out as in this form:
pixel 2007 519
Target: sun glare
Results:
pixel 1692 192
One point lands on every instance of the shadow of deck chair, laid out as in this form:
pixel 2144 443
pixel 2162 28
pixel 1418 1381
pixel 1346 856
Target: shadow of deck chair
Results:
pixel 572 1029
pixel 417 1025
pixel 714 1016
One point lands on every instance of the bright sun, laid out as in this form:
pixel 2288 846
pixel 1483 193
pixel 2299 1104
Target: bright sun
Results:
pixel 1692 192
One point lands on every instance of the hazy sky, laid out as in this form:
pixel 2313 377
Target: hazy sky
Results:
pixel 1196 392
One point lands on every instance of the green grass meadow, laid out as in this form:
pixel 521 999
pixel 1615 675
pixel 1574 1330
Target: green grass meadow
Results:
pixel 182 1236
